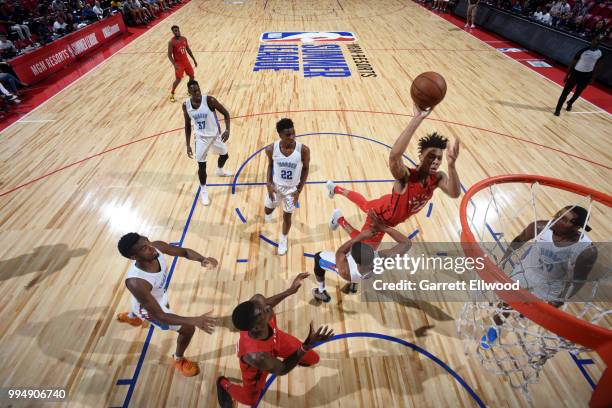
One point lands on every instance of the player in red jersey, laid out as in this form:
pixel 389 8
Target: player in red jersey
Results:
pixel 413 187
pixel 261 343
pixel 178 48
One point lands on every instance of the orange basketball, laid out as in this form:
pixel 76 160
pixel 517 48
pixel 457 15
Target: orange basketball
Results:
pixel 428 89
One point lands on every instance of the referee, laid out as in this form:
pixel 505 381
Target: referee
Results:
pixel 581 73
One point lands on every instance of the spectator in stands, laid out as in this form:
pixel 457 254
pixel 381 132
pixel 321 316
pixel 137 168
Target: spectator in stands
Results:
pixel 600 30
pixel 88 15
pixel 537 16
pixel 117 5
pixel 13 20
pixel 145 12
pixel 60 9
pixel 546 18
pixel 440 5
pixel 582 71
pixel 517 8
pixel 471 13
pixel 60 27
pixel 10 82
pixel 98 10
pixel 9 96
pixel 7 49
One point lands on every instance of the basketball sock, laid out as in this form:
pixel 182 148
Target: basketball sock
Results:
pixel 321 286
pixel 177 358
pixel 203 188
pixel 344 224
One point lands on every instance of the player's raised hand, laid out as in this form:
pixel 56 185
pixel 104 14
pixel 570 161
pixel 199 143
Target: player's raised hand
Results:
pixel 322 334
pixel 212 262
pixel 205 322
pixel 453 153
pixel 421 113
pixel 189 152
pixel 297 281
pixel 225 136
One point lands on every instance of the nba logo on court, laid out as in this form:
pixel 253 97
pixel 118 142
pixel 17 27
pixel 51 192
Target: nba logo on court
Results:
pixel 308 36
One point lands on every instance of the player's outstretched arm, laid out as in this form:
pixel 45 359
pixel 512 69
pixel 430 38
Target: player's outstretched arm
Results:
pixel 141 290
pixel 396 164
pixel 266 362
pixel 186 253
pixel 214 104
pixel 450 183
pixel 295 286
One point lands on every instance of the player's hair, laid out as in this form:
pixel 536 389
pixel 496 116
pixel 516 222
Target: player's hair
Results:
pixel 192 82
pixel 243 316
pixel 173 27
pixel 581 217
pixel 362 253
pixel 126 243
pixel 284 123
pixel 432 140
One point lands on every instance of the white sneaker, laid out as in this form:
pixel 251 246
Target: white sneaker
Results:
pixel 466 26
pixel 282 245
pixel 330 188
pixel 223 173
pixel 268 217
pixel 333 221
pixel 204 197
pixel 473 26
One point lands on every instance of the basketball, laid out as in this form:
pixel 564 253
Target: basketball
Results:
pixel 428 89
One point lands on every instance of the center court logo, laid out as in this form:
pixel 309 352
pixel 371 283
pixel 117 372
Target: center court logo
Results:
pixel 312 51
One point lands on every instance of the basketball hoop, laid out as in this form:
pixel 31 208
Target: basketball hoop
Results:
pixel 524 347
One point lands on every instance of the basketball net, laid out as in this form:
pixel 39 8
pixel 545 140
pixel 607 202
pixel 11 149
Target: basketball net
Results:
pixel 493 213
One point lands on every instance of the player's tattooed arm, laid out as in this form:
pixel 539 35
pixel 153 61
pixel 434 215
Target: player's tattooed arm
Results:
pixel 141 290
pixel 272 301
pixel 187 131
pixel 396 164
pixel 450 183
pixel 186 253
pixel 214 104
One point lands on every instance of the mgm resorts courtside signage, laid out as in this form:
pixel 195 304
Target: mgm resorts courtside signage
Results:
pixel 319 53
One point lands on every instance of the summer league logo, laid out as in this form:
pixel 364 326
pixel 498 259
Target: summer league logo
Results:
pixel 320 57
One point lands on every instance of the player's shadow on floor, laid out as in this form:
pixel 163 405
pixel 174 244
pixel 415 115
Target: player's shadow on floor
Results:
pixel 523 106
pixel 43 261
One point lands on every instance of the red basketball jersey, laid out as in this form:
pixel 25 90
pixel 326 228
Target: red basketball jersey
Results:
pixel 179 49
pixel 246 345
pixel 395 208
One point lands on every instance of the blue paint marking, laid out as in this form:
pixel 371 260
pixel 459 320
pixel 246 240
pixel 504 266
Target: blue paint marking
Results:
pixel 429 210
pixel 583 371
pixel 240 216
pixel 414 347
pixel 175 244
pixel 268 240
pixel 414 234
pixel 586 361
pixel 145 347
pixel 234 183
pixel 442 253
pixel 297 204
pixel 124 381
pixel 308 255
pixel 241 260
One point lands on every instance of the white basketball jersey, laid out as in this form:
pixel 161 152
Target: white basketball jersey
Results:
pixel 156 279
pixel 203 119
pixel 546 269
pixel 287 170
pixel 328 262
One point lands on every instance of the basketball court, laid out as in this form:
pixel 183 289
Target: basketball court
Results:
pixel 106 156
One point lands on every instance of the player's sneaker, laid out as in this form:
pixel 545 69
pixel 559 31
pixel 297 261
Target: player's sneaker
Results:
pixel 172 98
pixel 223 173
pixel 486 342
pixel 282 245
pixel 204 197
pixel 186 367
pixel 568 107
pixel 322 296
pixel 333 221
pixel 125 318
pixel 330 188
pixel 224 398
pixel 350 287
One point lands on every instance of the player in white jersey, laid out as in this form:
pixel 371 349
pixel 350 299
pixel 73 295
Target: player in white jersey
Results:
pixel 147 280
pixel 557 263
pixel 199 112
pixel 288 165
pixel 354 260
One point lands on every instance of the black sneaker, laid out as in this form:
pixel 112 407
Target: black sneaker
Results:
pixel 557 113
pixel 353 287
pixel 322 296
pixel 568 107
pixel 225 400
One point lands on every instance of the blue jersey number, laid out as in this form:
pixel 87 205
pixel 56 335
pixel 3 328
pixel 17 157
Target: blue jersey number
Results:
pixel 201 125
pixel 286 174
